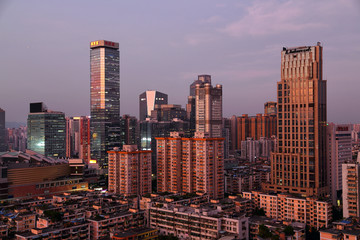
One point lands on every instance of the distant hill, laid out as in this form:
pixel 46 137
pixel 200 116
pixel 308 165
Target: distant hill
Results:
pixel 14 124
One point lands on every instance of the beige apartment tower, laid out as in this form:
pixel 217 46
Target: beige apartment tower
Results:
pixel 193 165
pixel 298 164
pixel 208 107
pixel 129 171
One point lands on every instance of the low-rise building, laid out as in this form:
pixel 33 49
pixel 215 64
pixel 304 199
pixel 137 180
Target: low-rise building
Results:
pixel 287 207
pixel 196 222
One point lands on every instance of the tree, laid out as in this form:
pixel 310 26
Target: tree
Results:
pixel 289 231
pixel 264 231
pixel 259 212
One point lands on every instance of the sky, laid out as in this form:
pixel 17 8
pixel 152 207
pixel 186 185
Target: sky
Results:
pixel 164 45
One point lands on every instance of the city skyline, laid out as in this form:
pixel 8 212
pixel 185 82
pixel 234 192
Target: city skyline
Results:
pixel 167 53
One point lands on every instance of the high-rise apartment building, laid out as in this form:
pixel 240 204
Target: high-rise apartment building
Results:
pixel 3 144
pixel 255 127
pixel 46 131
pixel 299 162
pixel 208 108
pixel 339 146
pixel 104 99
pixel 191 105
pixel 351 189
pixel 129 171
pixel 78 138
pixel 193 165
pixel 147 101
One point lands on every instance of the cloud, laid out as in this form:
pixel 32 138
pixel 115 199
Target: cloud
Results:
pixel 274 16
pixel 212 19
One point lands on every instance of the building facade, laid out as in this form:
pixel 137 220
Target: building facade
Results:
pixel 46 131
pixel 147 101
pixel 193 165
pixel 104 99
pixel 339 143
pixel 299 163
pixel 3 144
pixel 78 138
pixel 208 108
pixel 351 189
pixel 286 207
pixel 130 171
pixel 255 127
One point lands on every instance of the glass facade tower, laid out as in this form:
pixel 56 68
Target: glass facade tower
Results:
pixel 46 131
pixel 104 99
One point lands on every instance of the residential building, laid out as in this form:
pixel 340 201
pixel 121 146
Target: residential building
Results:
pixel 46 131
pixel 208 108
pixel 255 127
pixel 193 165
pixel 139 233
pixel 130 171
pixel 339 145
pixel 287 207
pixel 299 163
pixel 351 189
pixel 102 225
pixel 193 222
pixel 252 150
pixel 191 105
pixel 147 102
pixel 3 144
pixel 151 129
pixel 104 99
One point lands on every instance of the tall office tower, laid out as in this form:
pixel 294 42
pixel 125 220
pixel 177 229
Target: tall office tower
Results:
pixel 130 131
pixel 3 144
pixel 46 131
pixel 208 109
pixel 255 127
pixel 270 108
pixel 104 99
pixel 147 101
pixel 167 112
pixel 191 105
pixel 299 162
pixel 340 151
pixel 78 138
pixel 351 189
pixel 129 171
pixel 193 165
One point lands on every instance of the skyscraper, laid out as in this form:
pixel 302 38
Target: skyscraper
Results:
pixel 208 108
pixel 298 164
pixel 104 99
pixel 3 145
pixel 147 101
pixel 46 131
pixel 191 105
